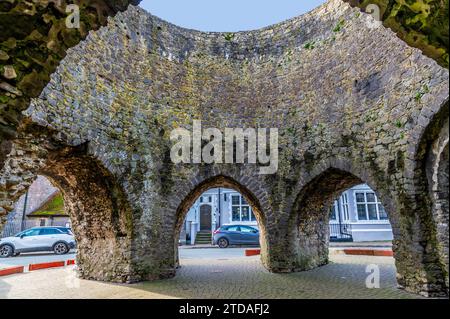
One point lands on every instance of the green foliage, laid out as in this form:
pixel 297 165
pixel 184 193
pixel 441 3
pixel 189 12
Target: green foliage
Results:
pixel 310 45
pixel 339 26
pixel 229 36
pixel 425 89
pixel 423 24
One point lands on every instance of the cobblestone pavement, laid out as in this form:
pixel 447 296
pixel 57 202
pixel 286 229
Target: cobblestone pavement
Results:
pixel 219 278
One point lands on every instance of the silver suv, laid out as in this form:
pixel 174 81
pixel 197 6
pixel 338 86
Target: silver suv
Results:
pixel 57 239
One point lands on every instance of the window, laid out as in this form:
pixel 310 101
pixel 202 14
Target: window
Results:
pixel 333 215
pixel 201 199
pixel 345 208
pixel 368 206
pixel 234 228
pixel 49 231
pixel 31 232
pixel 240 210
pixel 246 229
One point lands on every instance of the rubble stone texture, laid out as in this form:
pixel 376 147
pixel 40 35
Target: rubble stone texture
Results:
pixel 353 103
pixel 422 24
pixel 33 39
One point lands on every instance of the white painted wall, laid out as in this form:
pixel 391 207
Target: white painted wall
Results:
pixel 362 230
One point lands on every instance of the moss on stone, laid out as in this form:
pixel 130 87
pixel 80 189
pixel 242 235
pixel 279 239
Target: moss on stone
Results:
pixel 423 24
pixel 55 206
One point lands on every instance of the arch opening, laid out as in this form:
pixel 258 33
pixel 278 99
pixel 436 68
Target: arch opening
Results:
pixel 94 205
pixel 417 269
pixel 42 205
pixel 227 203
pixel 431 179
pixel 310 219
pixel 441 205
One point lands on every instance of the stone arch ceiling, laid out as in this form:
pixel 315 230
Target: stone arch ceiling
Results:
pixel 326 70
pixel 29 29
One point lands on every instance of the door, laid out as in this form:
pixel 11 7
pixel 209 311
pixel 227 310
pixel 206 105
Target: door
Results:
pixel 47 237
pixel 29 240
pixel 234 235
pixel 249 235
pixel 205 218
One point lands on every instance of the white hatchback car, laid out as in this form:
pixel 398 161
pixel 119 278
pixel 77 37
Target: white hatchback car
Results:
pixel 57 239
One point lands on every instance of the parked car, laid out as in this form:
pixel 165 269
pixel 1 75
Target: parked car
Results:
pixel 236 235
pixel 57 239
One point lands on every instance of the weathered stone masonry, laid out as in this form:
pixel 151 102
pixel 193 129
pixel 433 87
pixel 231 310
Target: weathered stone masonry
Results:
pixel 352 104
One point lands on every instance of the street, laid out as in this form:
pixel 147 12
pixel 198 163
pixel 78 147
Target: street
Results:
pixel 34 258
pixel 185 253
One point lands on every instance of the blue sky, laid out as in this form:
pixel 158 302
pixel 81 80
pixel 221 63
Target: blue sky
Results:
pixel 229 15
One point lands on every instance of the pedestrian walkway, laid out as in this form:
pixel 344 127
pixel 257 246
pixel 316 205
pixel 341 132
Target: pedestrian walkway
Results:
pixel 362 245
pixel 223 278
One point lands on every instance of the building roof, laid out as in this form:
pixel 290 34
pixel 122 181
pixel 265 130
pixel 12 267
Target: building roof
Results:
pixel 53 206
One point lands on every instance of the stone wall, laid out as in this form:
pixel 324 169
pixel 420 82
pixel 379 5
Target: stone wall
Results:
pixel 33 39
pixel 351 102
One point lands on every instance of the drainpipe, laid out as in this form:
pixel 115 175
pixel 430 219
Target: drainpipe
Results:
pixel 339 215
pixel 220 209
pixel 24 211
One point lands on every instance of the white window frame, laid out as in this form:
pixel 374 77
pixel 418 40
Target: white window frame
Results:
pixel 240 205
pixel 336 212
pixel 365 203
pixel 345 207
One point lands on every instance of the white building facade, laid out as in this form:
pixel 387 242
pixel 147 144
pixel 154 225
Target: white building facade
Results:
pixel 357 215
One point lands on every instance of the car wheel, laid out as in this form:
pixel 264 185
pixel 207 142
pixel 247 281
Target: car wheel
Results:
pixel 60 248
pixel 6 251
pixel 223 243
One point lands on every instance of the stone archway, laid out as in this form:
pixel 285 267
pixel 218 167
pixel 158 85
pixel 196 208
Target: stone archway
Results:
pixel 441 196
pixel 98 209
pixel 100 215
pixel 253 196
pixel 310 219
pixel 308 226
pixel 319 79
pixel 432 165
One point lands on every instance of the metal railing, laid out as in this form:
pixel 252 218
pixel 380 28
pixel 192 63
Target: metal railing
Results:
pixel 341 232
pixel 14 227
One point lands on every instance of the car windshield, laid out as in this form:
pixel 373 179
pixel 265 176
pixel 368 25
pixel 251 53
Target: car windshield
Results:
pixel 66 230
pixel 29 232
pixel 248 229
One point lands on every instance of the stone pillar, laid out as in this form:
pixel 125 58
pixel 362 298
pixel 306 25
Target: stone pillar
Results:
pixel 100 214
pixel 18 171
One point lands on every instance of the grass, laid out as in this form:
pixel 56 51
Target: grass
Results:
pixel 55 206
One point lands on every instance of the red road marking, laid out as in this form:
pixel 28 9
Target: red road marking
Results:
pixel 10 271
pixel 46 265
pixel 252 252
pixel 384 253
pixel 369 252
pixel 70 262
